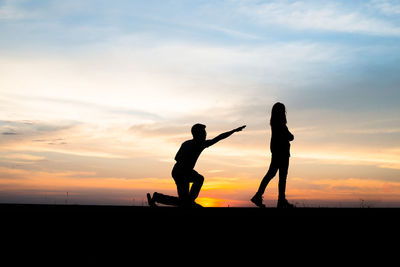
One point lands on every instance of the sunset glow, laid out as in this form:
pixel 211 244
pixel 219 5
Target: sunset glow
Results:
pixel 96 98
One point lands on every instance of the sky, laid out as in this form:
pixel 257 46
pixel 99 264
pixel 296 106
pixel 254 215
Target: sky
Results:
pixel 97 96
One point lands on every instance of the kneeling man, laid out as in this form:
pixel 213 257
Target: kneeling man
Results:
pixel 183 171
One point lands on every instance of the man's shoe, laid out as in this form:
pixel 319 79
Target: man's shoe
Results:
pixel 258 201
pixel 151 201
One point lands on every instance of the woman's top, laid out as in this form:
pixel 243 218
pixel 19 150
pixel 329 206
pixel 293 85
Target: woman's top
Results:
pixel 280 139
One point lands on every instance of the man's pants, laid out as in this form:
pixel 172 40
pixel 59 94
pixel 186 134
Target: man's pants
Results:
pixel 182 178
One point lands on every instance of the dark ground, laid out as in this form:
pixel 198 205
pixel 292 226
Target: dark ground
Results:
pixel 126 235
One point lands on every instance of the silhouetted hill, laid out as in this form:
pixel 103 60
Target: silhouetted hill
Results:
pixel 127 234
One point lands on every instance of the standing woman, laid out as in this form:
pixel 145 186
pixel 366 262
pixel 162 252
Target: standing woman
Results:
pixel 280 149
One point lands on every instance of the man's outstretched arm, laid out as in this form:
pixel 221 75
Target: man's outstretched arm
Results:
pixel 223 136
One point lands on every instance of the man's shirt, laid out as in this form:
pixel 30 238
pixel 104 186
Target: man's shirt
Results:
pixel 189 152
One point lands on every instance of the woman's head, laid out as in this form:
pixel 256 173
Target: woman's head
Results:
pixel 278 114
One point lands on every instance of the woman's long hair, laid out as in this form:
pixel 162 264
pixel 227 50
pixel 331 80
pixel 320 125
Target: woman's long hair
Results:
pixel 278 114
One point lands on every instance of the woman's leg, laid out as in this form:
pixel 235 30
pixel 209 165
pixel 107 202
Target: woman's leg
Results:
pixel 273 168
pixel 283 171
pixel 257 198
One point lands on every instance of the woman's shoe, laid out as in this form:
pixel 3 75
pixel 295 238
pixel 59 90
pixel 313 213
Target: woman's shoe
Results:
pixel 283 203
pixel 258 201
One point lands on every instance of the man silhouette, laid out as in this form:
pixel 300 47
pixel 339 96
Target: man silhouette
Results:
pixel 183 171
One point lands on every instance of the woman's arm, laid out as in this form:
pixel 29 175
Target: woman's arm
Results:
pixel 290 136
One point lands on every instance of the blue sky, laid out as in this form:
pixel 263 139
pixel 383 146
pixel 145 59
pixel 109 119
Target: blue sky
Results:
pixel 358 38
pixel 91 78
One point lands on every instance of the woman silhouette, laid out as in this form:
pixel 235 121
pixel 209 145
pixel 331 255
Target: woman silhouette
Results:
pixel 280 149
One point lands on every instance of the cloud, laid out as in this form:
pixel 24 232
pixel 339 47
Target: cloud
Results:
pixel 32 128
pixel 34 133
pixel 319 16
pixel 137 82
pixel 160 130
pixel 231 32
pixel 24 157
pixel 99 108
pixel 8 133
pixel 9 11
pixel 388 7
pixel 344 189
pixel 383 158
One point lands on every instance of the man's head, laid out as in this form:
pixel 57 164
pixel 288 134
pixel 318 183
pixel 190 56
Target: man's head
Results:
pixel 199 132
